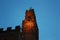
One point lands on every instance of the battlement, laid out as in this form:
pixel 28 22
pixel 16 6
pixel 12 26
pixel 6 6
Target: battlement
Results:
pixel 1 29
pixel 17 28
pixel 9 28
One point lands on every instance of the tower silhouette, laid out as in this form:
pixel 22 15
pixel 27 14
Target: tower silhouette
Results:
pixel 29 30
pixel 29 26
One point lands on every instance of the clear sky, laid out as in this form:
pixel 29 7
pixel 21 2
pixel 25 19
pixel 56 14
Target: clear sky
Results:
pixel 12 13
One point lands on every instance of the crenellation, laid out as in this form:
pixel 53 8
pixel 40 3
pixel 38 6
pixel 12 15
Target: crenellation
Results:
pixel 1 30
pixel 17 28
pixel 9 28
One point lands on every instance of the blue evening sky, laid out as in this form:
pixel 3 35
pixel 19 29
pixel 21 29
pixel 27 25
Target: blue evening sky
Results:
pixel 12 12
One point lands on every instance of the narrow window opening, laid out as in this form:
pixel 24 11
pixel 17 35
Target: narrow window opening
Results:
pixel 29 18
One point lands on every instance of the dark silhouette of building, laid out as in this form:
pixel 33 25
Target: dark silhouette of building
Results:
pixel 29 30
pixel 10 34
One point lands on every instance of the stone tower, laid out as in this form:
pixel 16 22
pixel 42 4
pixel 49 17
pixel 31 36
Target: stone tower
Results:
pixel 29 26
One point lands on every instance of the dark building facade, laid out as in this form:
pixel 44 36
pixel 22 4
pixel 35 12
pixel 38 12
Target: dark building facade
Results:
pixel 10 34
pixel 29 30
